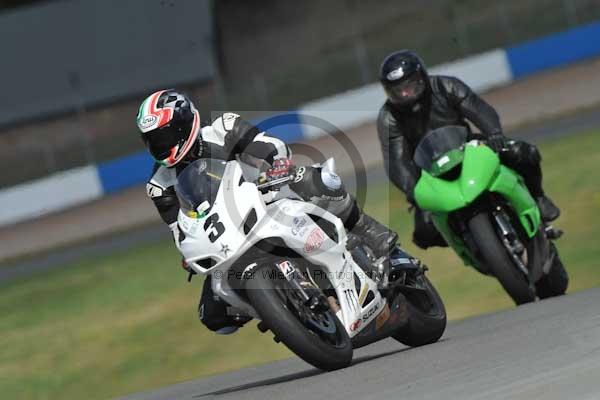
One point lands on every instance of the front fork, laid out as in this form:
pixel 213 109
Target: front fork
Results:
pixel 305 287
pixel 510 239
pixel 512 243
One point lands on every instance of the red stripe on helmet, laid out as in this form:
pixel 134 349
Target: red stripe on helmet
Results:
pixel 154 101
pixel 173 157
pixel 193 136
pixel 164 115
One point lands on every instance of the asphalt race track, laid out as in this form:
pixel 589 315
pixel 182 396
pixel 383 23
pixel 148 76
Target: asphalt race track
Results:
pixel 546 350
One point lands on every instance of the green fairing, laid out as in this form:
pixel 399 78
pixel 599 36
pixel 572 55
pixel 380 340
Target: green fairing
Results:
pixel 481 171
pixel 440 220
pixel 437 195
pixel 510 185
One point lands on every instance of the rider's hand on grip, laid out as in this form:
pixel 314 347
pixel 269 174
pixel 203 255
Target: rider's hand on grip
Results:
pixel 497 142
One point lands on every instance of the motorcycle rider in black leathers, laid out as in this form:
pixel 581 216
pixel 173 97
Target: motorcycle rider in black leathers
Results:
pixel 170 128
pixel 418 103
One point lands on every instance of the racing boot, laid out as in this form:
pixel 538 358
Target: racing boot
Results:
pixel 548 210
pixel 375 235
pixel 212 312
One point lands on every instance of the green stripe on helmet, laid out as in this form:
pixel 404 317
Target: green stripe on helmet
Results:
pixel 143 110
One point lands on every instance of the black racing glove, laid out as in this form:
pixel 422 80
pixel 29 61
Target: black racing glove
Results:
pixel 496 142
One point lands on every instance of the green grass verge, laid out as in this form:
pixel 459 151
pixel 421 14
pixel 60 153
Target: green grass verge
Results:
pixel 127 322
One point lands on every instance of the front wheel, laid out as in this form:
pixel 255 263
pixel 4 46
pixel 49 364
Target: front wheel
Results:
pixel 495 256
pixel 426 316
pixel 319 338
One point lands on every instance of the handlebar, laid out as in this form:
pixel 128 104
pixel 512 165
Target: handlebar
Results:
pixel 276 182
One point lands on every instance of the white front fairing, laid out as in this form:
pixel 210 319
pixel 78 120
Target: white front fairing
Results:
pixel 286 219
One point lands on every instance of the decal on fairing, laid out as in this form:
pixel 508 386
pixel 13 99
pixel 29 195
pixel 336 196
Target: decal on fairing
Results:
pixel 314 241
pixel 224 250
pixel 365 318
pixel 213 227
pixel 355 325
pixel 286 268
pixel 349 293
pixel 299 226
pixel 363 294
pixel 370 313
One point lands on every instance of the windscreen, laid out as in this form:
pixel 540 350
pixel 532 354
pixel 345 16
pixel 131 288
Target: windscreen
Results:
pixel 197 186
pixel 437 143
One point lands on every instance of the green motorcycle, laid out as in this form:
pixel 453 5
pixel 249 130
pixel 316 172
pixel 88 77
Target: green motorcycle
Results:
pixel 486 214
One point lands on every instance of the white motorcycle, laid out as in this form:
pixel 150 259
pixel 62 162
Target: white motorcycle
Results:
pixel 293 266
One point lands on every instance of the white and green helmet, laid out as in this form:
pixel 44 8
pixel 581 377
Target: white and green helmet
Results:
pixel 169 125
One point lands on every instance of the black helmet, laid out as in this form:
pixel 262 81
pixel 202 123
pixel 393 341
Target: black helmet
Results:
pixel 169 124
pixel 404 78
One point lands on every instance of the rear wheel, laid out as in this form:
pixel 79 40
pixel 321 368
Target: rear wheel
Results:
pixel 495 256
pixel 556 281
pixel 426 316
pixel 318 337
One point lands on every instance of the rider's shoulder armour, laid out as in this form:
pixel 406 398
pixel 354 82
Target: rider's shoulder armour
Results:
pixel 162 179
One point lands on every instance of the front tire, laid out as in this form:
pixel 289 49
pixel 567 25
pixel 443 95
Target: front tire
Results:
pixel 264 291
pixel 495 256
pixel 426 317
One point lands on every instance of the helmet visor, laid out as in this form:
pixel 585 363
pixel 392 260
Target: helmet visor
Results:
pixel 408 91
pixel 160 141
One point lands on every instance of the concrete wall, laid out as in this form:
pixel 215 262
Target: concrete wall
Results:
pixel 64 55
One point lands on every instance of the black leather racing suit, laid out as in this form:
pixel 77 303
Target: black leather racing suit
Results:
pixel 448 101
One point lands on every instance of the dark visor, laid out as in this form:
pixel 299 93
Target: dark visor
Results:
pixel 409 89
pixel 161 141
